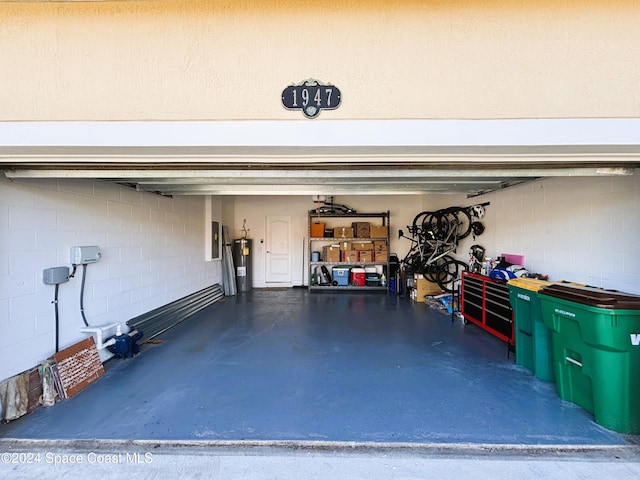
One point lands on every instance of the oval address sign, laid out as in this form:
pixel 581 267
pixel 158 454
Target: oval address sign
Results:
pixel 311 96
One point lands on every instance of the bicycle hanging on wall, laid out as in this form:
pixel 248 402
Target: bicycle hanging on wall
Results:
pixel 434 239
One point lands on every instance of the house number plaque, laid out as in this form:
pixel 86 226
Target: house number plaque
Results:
pixel 311 96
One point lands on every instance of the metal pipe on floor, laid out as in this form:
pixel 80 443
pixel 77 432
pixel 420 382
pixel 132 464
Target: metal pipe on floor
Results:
pixel 161 319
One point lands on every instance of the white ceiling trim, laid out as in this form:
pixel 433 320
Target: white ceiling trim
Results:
pixel 324 133
pixel 207 175
pixel 469 161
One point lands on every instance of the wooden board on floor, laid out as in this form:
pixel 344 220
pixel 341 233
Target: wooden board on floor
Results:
pixel 35 390
pixel 78 366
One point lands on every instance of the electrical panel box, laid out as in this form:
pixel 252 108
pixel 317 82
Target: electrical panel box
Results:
pixel 55 275
pixel 82 255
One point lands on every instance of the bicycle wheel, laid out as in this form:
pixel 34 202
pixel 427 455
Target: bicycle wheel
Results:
pixel 416 225
pixel 457 218
pixel 464 222
pixel 413 262
pixel 448 272
pixel 430 226
pixel 433 270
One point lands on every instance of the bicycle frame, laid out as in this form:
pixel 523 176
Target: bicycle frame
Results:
pixel 443 247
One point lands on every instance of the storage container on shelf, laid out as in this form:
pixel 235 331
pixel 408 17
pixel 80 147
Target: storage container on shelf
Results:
pixel 317 229
pixel 596 351
pixel 340 276
pixel 358 277
pixel 532 336
pixel 372 279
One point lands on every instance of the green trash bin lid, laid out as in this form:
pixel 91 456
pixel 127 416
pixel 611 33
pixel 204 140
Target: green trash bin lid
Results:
pixel 593 297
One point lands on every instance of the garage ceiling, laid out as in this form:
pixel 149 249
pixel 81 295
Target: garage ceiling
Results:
pixel 293 158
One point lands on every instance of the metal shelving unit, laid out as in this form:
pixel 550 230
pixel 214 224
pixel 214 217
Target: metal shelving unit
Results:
pixel 383 218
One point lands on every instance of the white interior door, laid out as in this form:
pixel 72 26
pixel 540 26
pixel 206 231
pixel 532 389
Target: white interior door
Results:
pixel 278 249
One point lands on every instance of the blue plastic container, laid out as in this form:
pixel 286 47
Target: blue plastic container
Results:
pixel 341 276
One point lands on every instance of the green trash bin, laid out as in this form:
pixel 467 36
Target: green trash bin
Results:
pixel 596 351
pixel 532 336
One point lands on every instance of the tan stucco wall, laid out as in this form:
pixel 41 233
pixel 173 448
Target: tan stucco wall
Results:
pixel 194 60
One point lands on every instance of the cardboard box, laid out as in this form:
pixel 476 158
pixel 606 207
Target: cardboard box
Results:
pixel 361 229
pixel 424 287
pixel 380 246
pixel 366 256
pixel 362 246
pixel 331 254
pixel 343 232
pixel 381 256
pixel 378 231
pixel 350 256
pixel 317 229
pixel 345 246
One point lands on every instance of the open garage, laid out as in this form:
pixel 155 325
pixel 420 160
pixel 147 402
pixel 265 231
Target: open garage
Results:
pixel 148 149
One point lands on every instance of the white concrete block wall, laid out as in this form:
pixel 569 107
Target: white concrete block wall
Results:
pixel 582 229
pixel 152 253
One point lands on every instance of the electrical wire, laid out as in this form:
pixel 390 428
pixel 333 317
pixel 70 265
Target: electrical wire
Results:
pixel 84 274
pixel 55 303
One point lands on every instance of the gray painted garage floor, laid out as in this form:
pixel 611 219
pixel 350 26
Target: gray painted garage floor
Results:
pixel 290 365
